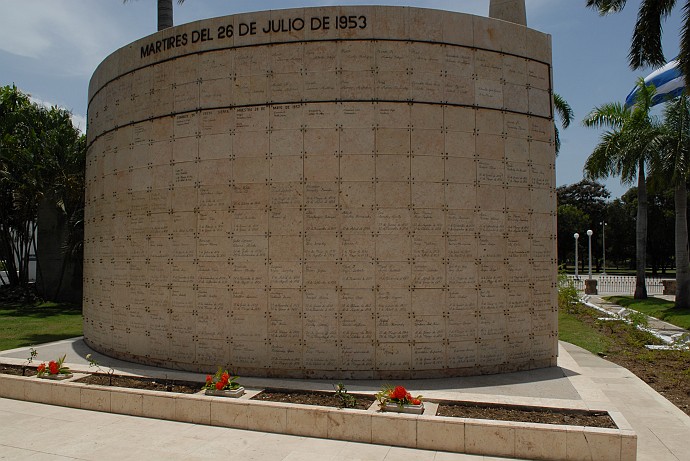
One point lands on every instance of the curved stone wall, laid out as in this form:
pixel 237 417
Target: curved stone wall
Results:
pixel 341 192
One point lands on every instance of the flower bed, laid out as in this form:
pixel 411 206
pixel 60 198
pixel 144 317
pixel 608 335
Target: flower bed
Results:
pixel 325 399
pixel 329 399
pixel 525 414
pixel 461 435
pixel 132 382
pixel 17 370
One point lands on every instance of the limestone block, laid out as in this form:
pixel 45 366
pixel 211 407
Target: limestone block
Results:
pixel 399 427
pixel 229 412
pixel 349 177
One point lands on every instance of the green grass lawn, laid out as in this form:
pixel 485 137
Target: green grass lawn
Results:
pixel 574 331
pixel 655 307
pixel 24 325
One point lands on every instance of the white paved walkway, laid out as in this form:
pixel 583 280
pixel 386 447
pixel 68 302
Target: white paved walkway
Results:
pixel 34 431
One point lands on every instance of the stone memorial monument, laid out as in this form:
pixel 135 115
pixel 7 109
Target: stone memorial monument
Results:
pixel 335 192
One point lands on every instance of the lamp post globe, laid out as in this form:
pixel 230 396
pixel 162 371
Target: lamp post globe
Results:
pixel 589 236
pixel 577 236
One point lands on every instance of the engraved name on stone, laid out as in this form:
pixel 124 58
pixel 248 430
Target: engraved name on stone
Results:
pixel 428 356
pixel 392 328
pixel 429 328
pixel 285 355
pixel 318 327
pixel 285 302
pixel 517 174
pixel 393 357
pixel 393 301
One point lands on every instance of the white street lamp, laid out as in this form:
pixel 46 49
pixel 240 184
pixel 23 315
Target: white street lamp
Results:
pixel 603 247
pixel 589 234
pixel 577 236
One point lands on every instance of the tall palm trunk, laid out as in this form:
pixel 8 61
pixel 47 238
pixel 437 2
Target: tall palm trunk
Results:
pixel 641 235
pixel 682 256
pixel 165 14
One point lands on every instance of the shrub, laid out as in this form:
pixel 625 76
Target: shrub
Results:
pixel 568 297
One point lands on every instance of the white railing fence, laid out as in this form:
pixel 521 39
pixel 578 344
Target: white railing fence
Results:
pixel 620 284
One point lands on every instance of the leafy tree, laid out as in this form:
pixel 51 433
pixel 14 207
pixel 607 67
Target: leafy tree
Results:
pixel 672 165
pixel 620 219
pixel 591 198
pixel 587 195
pixel 17 183
pixel 41 158
pixel 165 13
pixel 571 219
pixel 646 48
pixel 660 240
pixel 626 150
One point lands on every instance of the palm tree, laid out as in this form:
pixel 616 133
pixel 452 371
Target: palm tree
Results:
pixel 165 13
pixel 673 165
pixel 565 113
pixel 625 150
pixel 646 48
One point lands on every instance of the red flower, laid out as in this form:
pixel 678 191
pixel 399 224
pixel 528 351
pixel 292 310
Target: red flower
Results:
pixel 399 393
pixel 225 377
pixel 41 368
pixel 415 401
pixel 220 385
pixel 53 367
pixel 209 378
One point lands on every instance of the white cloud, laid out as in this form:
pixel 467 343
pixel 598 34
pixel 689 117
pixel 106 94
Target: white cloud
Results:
pixel 72 36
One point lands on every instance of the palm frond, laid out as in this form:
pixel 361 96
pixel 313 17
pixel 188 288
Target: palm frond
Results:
pixel 684 53
pixel 563 109
pixel 646 48
pixel 605 7
pixel 611 115
pixel 627 145
pixel 672 163
pixel 602 162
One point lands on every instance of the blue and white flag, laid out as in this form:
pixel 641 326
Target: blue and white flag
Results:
pixel 668 81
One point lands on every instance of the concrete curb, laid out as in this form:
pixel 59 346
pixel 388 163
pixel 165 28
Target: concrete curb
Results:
pixel 460 435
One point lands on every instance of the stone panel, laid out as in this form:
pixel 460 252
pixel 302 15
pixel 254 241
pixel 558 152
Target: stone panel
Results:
pixel 369 193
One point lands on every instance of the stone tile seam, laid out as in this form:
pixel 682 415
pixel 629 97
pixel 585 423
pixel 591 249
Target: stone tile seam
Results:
pixel 429 42
pixel 332 101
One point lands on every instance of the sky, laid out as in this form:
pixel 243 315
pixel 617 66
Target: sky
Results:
pixel 50 48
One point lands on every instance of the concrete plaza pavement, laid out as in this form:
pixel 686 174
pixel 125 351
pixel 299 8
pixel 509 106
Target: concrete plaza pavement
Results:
pixel 581 380
pixel 35 431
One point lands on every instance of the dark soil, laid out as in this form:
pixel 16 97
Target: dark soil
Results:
pixel 182 387
pixel 360 402
pixel 132 382
pixel 325 399
pixel 525 414
pixel 16 370
pixel 667 372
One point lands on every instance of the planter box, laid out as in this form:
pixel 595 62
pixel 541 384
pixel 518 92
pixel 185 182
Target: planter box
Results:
pixel 232 393
pixel 461 435
pixel 57 377
pixel 413 409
